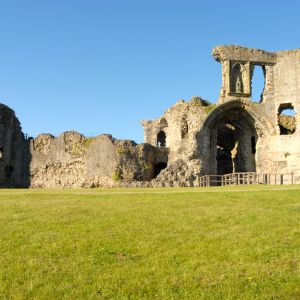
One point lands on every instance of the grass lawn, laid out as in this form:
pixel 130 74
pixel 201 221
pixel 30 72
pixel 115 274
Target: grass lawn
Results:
pixel 190 243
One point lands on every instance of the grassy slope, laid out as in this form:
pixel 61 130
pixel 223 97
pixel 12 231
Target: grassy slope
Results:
pixel 164 244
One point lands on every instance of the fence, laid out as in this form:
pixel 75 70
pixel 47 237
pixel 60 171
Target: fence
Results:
pixel 245 178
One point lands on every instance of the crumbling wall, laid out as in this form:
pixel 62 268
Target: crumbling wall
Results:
pixel 57 161
pixel 72 160
pixel 181 124
pixel 259 143
pixel 13 155
pixel 190 139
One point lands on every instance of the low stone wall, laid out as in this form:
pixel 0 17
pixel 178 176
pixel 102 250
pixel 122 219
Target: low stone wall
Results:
pixel 73 160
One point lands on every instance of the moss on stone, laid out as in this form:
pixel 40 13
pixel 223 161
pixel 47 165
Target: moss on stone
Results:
pixel 209 108
pixel 117 175
pixel 88 141
pixel 124 150
pixel 287 124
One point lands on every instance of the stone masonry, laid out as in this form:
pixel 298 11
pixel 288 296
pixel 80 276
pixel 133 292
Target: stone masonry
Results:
pixel 189 140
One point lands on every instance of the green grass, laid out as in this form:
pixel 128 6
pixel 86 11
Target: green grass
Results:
pixel 214 243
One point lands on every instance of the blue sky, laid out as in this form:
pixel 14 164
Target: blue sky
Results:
pixel 102 66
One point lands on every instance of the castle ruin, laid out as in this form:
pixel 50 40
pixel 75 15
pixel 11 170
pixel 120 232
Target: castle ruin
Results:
pixel 189 140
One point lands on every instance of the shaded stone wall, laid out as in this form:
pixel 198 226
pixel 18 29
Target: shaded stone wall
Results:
pixel 14 156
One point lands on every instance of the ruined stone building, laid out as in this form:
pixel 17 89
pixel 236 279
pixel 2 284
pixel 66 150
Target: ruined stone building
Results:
pixel 189 140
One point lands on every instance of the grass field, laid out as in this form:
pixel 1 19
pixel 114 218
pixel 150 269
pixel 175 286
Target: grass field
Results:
pixel 191 243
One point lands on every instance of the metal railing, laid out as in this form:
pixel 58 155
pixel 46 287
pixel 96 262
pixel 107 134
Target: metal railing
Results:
pixel 246 178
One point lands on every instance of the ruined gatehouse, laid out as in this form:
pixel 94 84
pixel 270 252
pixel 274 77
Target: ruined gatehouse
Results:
pixel 189 140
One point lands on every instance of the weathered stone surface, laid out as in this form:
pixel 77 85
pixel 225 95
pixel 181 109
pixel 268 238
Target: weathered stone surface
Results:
pixel 238 53
pixel 72 160
pixel 190 139
pixel 256 141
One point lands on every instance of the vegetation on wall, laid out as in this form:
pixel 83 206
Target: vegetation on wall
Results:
pixel 287 124
pixel 209 108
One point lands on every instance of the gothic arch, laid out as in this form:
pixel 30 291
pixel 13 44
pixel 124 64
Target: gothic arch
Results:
pixel 225 141
pixel 237 82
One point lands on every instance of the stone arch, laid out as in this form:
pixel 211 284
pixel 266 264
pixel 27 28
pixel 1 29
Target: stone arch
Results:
pixel 226 140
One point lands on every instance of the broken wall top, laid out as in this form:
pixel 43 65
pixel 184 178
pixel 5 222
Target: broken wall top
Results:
pixel 238 53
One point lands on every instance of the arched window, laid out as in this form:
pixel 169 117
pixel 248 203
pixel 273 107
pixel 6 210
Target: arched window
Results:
pixel 161 139
pixel 236 82
pixel 1 153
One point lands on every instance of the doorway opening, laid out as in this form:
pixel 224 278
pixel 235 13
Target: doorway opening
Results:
pixel 232 143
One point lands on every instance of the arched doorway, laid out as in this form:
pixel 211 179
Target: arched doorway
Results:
pixel 232 141
pixel 229 137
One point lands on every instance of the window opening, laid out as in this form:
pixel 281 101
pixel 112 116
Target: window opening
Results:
pixel 161 139
pixel 258 84
pixel 286 119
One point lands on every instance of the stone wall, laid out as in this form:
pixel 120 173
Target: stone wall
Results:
pixel 72 160
pixel 180 123
pixel 14 156
pixel 287 80
pixel 259 145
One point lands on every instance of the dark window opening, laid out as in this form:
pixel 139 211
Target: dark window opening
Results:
pixel 286 119
pixel 253 145
pixel 1 153
pixel 161 139
pixel 258 84
pixel 8 171
pixel 158 167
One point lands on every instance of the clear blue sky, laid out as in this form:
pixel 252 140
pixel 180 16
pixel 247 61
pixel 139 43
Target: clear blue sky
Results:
pixel 102 66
